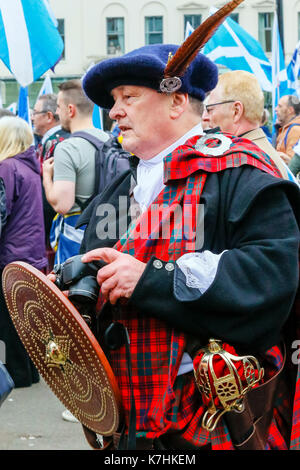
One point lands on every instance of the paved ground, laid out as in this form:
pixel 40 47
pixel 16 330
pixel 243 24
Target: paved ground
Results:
pixel 30 419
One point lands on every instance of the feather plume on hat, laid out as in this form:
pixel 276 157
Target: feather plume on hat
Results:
pixel 187 52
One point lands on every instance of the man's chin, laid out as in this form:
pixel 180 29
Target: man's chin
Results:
pixel 127 144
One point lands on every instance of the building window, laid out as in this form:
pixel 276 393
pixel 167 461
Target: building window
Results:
pixel 153 30
pixel 61 30
pixel 194 20
pixel 115 36
pixel 234 17
pixel 265 24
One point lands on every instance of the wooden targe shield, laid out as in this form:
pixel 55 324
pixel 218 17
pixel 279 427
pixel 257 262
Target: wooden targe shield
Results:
pixel 63 348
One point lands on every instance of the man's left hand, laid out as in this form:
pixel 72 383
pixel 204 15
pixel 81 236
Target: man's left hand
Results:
pixel 119 278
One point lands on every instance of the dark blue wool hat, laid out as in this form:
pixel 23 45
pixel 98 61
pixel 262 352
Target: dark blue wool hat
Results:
pixel 145 67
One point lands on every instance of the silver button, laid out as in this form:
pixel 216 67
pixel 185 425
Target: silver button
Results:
pixel 169 267
pixel 157 264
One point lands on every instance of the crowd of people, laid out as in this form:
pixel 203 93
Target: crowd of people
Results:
pixel 203 144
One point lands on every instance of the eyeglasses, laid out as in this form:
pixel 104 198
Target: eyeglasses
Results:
pixel 38 112
pixel 208 106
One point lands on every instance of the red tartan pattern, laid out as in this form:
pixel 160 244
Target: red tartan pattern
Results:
pixel 43 154
pixel 185 160
pixel 275 439
pixel 165 402
pixel 295 435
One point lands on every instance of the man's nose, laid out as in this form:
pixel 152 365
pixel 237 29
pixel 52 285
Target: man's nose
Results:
pixel 116 111
pixel 205 116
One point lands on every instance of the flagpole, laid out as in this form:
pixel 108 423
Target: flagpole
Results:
pixel 279 8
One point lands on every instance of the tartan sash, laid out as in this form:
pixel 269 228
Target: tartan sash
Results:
pixel 164 401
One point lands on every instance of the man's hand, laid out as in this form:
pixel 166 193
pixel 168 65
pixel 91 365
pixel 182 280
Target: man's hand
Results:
pixel 48 168
pixel 285 157
pixel 51 276
pixel 119 278
pixel 60 194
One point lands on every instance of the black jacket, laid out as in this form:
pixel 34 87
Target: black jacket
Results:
pixel 253 216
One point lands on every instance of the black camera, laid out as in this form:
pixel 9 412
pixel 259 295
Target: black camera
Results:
pixel 80 279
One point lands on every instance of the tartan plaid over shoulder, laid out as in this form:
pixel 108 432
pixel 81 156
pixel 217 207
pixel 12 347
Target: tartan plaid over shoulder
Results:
pixel 164 401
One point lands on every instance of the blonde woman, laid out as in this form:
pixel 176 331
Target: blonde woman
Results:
pixel 22 237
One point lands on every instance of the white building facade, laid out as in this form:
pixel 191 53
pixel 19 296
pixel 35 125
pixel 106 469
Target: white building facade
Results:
pixel 93 30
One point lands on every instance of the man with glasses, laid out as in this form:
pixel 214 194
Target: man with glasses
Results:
pixel 47 126
pixel 236 106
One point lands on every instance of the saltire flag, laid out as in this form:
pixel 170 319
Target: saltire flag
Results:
pixel 12 108
pixel 188 30
pixel 97 111
pixel 50 12
pixel 97 117
pixel 233 47
pixel 293 70
pixel 46 88
pixel 23 105
pixel 30 43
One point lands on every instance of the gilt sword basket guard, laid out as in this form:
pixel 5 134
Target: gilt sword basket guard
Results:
pixel 223 379
pixel 63 348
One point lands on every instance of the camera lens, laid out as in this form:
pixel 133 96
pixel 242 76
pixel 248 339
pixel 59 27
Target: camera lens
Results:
pixel 86 289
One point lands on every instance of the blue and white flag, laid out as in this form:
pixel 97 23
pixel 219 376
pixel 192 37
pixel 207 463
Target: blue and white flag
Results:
pixel 233 47
pixel 293 70
pixel 97 117
pixel 188 30
pixel 30 43
pixel 97 111
pixel 23 105
pixel 50 12
pixel 46 88
pixel 12 108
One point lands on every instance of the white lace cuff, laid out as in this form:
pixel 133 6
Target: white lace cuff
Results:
pixel 199 269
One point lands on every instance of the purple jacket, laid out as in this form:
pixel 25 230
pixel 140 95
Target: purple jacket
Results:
pixel 23 237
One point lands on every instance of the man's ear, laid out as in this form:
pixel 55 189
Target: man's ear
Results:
pixel 238 111
pixel 291 111
pixel 71 110
pixel 179 102
pixel 50 116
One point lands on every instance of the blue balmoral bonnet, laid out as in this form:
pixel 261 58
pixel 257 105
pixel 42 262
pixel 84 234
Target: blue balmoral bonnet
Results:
pixel 162 67
pixel 145 67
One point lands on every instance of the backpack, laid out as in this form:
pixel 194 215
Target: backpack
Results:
pixel 286 135
pixel 110 162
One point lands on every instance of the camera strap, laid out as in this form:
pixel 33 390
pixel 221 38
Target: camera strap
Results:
pixel 116 335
